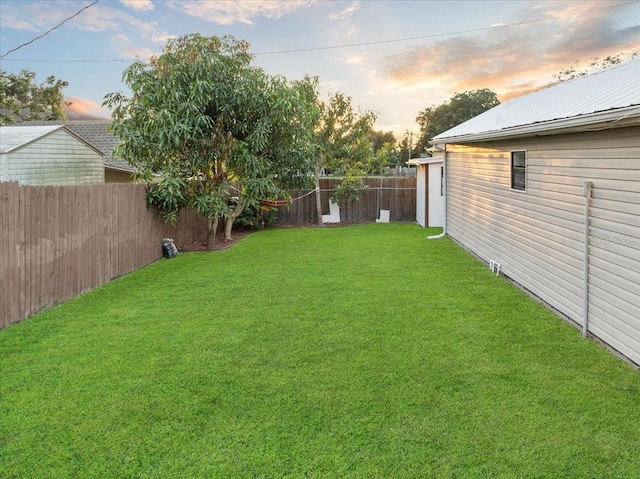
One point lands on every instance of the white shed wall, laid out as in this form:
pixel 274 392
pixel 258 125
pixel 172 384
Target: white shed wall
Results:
pixel 421 192
pixel 436 199
pixel 429 194
pixel 58 158
pixel 537 235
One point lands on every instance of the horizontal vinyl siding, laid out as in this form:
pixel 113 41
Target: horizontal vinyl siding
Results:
pixel 55 159
pixel 534 241
pixel 537 235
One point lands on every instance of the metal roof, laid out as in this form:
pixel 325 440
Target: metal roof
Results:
pixel 13 137
pixel 606 96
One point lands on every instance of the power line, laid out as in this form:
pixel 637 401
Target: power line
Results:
pixel 50 30
pixel 435 35
pixel 68 61
pixel 334 47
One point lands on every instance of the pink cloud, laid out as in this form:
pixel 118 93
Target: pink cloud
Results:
pixel 516 59
pixel 82 108
pixel 139 5
pixel 227 12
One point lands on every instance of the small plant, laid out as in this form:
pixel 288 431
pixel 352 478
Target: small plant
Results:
pixel 254 217
pixel 350 188
pixel 167 196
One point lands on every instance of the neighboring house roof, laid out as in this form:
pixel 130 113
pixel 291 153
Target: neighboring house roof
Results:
pixel 15 137
pixel 95 132
pixel 607 98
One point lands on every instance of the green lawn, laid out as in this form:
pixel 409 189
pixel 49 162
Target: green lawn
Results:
pixel 356 352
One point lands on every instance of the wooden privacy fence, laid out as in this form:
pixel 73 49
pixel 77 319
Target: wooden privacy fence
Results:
pixel 398 195
pixel 60 241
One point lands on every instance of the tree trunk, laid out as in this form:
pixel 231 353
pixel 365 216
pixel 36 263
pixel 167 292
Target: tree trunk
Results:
pixel 212 228
pixel 228 224
pixel 318 200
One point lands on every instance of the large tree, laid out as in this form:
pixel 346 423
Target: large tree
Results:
pixel 222 133
pixel 460 108
pixel 341 142
pixel 21 98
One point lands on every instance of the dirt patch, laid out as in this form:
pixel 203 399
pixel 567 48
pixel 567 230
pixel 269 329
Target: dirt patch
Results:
pixel 237 235
pixel 220 244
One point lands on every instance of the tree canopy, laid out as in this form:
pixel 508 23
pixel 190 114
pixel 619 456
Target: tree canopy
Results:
pixel 341 142
pixel 21 98
pixel 458 109
pixel 203 116
pixel 380 138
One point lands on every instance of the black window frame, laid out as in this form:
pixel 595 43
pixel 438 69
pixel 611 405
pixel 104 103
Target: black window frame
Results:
pixel 518 178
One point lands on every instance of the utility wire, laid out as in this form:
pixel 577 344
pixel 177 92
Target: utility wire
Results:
pixel 50 30
pixel 113 60
pixel 435 35
pixel 334 47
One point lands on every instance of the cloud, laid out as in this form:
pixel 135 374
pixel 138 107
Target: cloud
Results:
pixel 347 27
pixel 12 19
pixel 227 12
pixel 82 108
pixel 139 5
pixel 517 59
pixel 123 45
pixel 121 38
pixel 355 59
pixel 25 16
pixel 41 16
pixel 345 13
pixel 103 18
pixel 162 37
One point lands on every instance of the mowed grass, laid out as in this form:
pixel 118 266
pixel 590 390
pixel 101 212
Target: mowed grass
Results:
pixel 356 352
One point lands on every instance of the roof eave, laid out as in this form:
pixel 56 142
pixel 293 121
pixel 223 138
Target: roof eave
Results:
pixel 118 168
pixel 28 142
pixel 425 161
pixel 628 116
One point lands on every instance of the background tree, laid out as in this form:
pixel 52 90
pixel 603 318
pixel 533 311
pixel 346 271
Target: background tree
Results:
pixel 342 144
pixel 409 142
pixel 21 98
pixel 379 138
pixel 384 151
pixel 460 108
pixel 594 65
pixel 203 117
pixel 385 156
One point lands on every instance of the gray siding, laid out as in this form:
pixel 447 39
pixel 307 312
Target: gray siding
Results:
pixel 537 235
pixel 58 158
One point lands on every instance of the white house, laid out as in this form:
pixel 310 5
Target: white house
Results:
pixel 48 155
pixel 548 186
pixel 96 133
pixel 429 189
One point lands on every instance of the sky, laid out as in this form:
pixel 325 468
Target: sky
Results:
pixel 395 58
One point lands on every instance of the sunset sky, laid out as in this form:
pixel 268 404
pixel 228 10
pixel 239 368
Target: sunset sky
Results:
pixel 393 57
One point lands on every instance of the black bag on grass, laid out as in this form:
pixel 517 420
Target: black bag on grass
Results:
pixel 169 249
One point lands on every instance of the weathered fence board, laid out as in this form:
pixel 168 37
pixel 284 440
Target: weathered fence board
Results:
pixel 398 195
pixel 62 241
pixel 58 242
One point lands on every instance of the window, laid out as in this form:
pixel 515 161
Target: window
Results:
pixel 442 181
pixel 519 170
